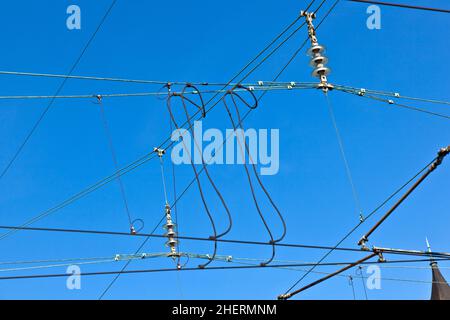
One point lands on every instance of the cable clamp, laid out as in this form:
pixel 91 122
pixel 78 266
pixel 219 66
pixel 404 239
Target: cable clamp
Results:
pixel 159 152
pixel 283 296
pixel 260 83
pixel 381 258
pixel 362 243
pixel 362 92
pixel 361 218
pixel 325 86
pixel 391 101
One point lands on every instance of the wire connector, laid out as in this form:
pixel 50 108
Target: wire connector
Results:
pixel 160 152
pixel 283 296
pixel 442 153
pixel 362 243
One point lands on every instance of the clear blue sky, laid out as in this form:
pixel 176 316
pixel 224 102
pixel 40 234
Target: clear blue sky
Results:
pixel 210 41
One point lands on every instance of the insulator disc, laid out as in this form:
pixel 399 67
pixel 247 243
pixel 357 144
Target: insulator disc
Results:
pixel 321 71
pixel 169 225
pixel 171 243
pixel 315 49
pixel 318 60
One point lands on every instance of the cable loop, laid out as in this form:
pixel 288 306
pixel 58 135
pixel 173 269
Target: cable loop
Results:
pixel 248 105
pixel 199 186
pixel 140 222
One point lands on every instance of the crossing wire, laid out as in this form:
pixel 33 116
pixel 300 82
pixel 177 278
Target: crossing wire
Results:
pixel 363 280
pixel 286 29
pixel 61 86
pixel 397 95
pixel 236 241
pixel 144 159
pixel 255 87
pixel 332 7
pixel 356 199
pixel 349 233
pixel 394 103
pixel 405 6
pixel 115 162
pixel 241 267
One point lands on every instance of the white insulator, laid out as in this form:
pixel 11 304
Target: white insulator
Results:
pixel 315 61
pixel 171 243
pixel 320 71
pixel 169 225
pixel 170 233
pixel 315 50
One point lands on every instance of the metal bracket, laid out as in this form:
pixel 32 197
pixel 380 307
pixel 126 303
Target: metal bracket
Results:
pixel 160 152
pixel 362 243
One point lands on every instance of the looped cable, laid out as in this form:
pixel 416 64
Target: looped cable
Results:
pixel 199 186
pixel 233 94
pixel 200 107
pixel 140 223
pixel 255 99
pixel 204 165
pixel 167 86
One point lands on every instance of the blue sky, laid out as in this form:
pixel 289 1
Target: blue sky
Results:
pixel 210 41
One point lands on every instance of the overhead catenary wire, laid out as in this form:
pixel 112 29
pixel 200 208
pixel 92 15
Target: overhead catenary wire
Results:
pixel 203 163
pixel 245 150
pixel 148 255
pixel 262 95
pixel 326 15
pixel 441 154
pixel 56 263
pixel 397 95
pixel 248 267
pixel 356 200
pixel 351 284
pixel 322 2
pixel 163 145
pixel 394 103
pixel 236 241
pixel 110 79
pixel 363 280
pixel 329 276
pixel 209 109
pixel 436 163
pixel 117 274
pixel 399 5
pixel 115 163
pixel 194 169
pixel 60 88
pixel 254 86
pixel 353 229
